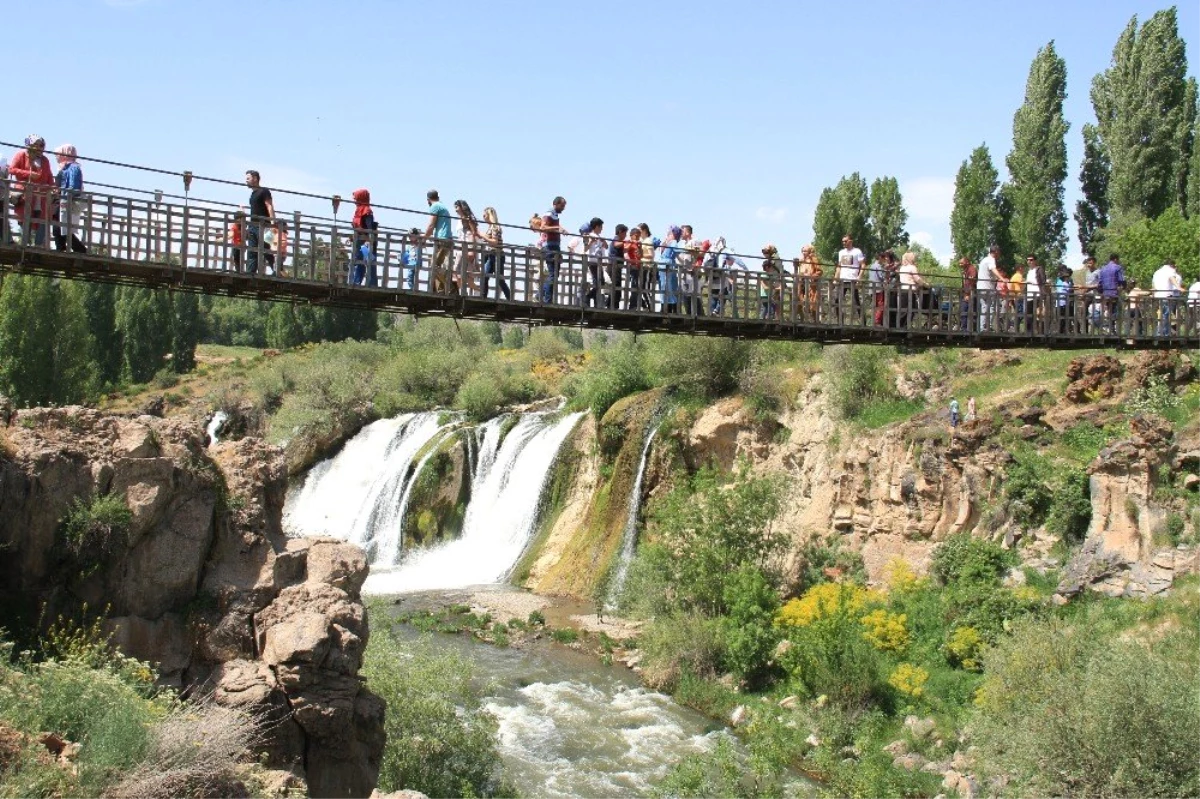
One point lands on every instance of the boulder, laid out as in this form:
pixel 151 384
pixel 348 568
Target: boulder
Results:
pixel 338 564
pixel 1093 377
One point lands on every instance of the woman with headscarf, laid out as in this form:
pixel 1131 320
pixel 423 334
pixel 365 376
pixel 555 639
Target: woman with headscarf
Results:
pixel 33 183
pixel 70 185
pixel 364 225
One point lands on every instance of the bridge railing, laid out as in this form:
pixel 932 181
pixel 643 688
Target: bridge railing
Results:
pixel 199 236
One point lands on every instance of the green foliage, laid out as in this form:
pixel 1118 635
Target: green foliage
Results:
pixel 565 635
pixel 1146 243
pixel 858 376
pixel 962 558
pixel 1071 507
pixel 492 386
pixel 844 209
pixel 1091 212
pixel 1066 710
pixel 1155 396
pixel 1145 110
pixel 185 330
pixel 830 655
pixel 975 215
pixel 94 531
pixel 104 344
pixel 702 368
pixel 514 337
pixel 44 344
pixel 822 557
pixel 144 321
pixel 719 773
pixel 617 371
pixel 748 629
pixel 713 532
pixel 888 216
pixel 440 737
pixel 1027 490
pixel 681 644
pixel 1037 163
pixel 871 774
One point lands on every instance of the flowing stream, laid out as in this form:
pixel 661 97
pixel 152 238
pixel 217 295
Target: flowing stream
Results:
pixel 570 726
pixel 629 535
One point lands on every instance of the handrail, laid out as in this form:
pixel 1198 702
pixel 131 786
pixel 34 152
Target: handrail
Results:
pixel 194 238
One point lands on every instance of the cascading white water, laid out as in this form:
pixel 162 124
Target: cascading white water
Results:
pixel 215 424
pixel 501 517
pixel 629 535
pixel 355 494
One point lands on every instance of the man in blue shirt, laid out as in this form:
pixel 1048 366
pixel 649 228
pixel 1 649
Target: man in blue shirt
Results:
pixel 439 229
pixel 1111 280
pixel 552 248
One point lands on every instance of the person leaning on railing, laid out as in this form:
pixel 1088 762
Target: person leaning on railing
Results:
pixel 33 183
pixel 70 186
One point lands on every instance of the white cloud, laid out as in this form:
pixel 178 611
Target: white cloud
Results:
pixel 768 214
pixel 930 242
pixel 928 198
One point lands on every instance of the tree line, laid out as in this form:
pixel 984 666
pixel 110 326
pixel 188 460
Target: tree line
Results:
pixel 66 341
pixel 1140 175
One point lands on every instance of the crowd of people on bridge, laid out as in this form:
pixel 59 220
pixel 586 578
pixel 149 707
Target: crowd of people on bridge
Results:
pixel 677 272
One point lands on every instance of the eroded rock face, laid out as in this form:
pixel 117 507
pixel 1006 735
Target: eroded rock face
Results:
pixel 203 582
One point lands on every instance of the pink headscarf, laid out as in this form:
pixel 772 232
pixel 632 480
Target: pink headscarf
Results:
pixel 67 153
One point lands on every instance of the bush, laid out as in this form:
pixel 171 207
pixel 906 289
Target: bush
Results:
pixel 616 371
pixel 1070 511
pixel 1065 712
pixel 685 643
pixel 700 367
pixel 857 376
pixel 440 738
pixel 95 531
pixel 822 557
pixel 749 632
pixel 719 773
pixel 962 558
pixel 1029 495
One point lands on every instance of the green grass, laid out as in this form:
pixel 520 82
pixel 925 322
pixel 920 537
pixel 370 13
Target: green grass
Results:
pixel 880 413
pixel 228 351
pixel 1036 366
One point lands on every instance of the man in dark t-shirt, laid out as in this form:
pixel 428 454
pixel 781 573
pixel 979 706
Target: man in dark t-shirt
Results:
pixel 262 212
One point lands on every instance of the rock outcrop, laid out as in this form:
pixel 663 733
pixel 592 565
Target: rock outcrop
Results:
pixel 200 580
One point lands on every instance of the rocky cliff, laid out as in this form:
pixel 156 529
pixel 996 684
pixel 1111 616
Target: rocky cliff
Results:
pixel 197 577
pixel 897 491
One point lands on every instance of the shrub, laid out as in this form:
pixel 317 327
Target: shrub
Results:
pixel 1066 712
pixel 684 643
pixel 1029 495
pixel 94 531
pixel 748 629
pixel 964 558
pixel 700 367
pixel 719 773
pixel 909 680
pixel 964 648
pixel 822 557
pixel 886 631
pixel 1071 507
pixel 615 371
pixel 440 738
pixel 857 376
pixel 821 602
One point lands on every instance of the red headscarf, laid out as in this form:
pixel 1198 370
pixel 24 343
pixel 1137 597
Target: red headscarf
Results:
pixel 362 206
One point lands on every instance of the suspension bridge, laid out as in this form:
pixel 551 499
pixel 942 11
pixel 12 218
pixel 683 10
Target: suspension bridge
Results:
pixel 184 244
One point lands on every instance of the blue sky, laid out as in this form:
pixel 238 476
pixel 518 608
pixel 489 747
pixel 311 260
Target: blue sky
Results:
pixel 728 116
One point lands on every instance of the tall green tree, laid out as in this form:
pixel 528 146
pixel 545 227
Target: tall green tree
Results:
pixel 1091 212
pixel 888 216
pixel 284 330
pixel 1037 164
pixel 44 343
pixel 1193 182
pixel 976 214
pixel 144 322
pixel 1141 104
pixel 100 309
pixel 844 209
pixel 185 330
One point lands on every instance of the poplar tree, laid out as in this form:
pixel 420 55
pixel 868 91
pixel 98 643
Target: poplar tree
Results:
pixel 976 214
pixel 185 330
pixel 888 216
pixel 1091 212
pixel 99 307
pixel 144 321
pixel 1037 164
pixel 844 209
pixel 44 346
pixel 1193 182
pixel 1142 113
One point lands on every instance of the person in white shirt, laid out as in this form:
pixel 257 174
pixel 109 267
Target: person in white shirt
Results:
pixel 1168 285
pixel 1194 293
pixel 849 271
pixel 911 284
pixel 986 288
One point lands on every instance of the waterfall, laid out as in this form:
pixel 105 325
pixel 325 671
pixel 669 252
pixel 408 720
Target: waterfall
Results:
pixel 215 424
pixel 501 518
pixel 629 535
pixel 356 494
